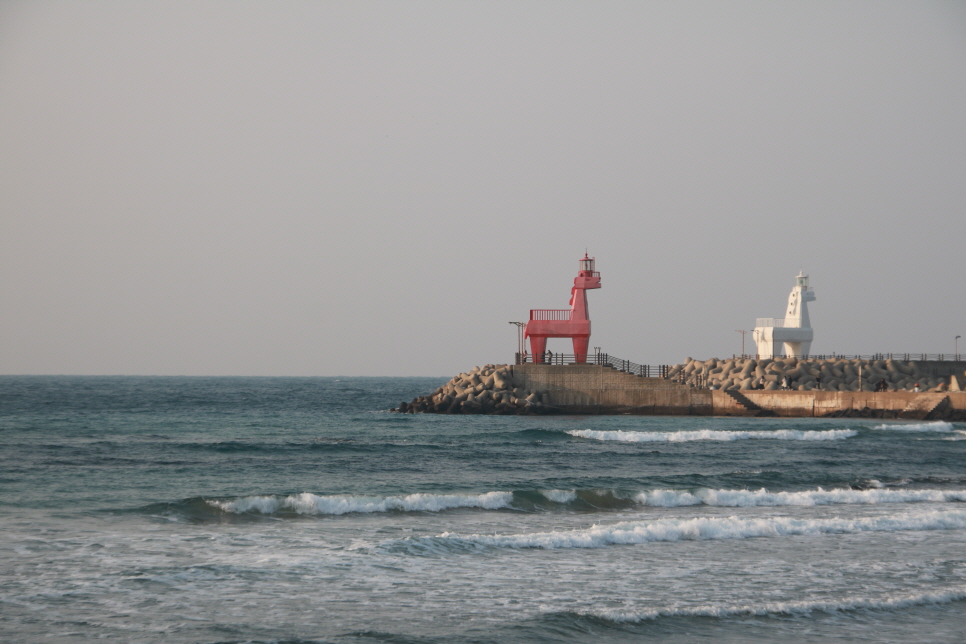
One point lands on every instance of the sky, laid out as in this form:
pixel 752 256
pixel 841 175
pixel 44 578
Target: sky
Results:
pixel 378 188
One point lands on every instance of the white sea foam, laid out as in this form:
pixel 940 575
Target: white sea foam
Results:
pixel 762 497
pixel 886 602
pixel 713 435
pixel 306 503
pixel 938 426
pixel 559 496
pixel 701 529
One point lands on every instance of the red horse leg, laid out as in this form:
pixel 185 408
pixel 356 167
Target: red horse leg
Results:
pixel 538 346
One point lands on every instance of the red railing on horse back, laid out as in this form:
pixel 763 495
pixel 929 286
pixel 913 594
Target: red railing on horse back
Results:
pixel 550 314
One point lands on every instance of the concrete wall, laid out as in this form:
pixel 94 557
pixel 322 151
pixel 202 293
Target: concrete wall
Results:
pixel 595 389
pixel 823 403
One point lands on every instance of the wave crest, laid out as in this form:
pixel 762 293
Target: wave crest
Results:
pixel 697 529
pixel 938 426
pixel 312 504
pixel 891 602
pixel 560 496
pixel 713 435
pixel 762 497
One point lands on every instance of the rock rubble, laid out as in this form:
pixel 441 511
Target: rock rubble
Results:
pixel 807 375
pixel 489 389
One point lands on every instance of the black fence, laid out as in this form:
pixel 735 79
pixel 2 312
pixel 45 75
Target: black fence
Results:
pixel 938 357
pixel 604 359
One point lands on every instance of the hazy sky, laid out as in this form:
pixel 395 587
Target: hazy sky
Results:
pixel 377 188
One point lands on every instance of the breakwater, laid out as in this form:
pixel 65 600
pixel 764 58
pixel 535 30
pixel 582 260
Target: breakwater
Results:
pixel 822 375
pixel 602 389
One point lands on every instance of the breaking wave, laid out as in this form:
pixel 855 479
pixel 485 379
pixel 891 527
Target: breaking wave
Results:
pixel 560 496
pixel 697 529
pixel 307 503
pixel 938 426
pixel 579 500
pixel 762 497
pixel 888 602
pixel 713 435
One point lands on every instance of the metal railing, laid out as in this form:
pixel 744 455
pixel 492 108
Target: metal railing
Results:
pixel 642 370
pixel 603 359
pixel 557 315
pixel 938 357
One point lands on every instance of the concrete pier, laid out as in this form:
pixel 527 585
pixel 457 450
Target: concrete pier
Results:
pixel 596 389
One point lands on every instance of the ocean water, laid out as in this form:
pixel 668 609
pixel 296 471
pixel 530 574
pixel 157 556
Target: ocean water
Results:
pixel 298 510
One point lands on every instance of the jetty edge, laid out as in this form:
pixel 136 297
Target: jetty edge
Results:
pixel 490 389
pixel 715 387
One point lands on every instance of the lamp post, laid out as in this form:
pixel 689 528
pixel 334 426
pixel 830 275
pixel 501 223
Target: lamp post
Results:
pixel 742 332
pixel 957 346
pixel 520 326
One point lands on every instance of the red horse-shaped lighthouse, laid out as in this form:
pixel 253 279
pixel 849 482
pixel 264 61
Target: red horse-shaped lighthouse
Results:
pixel 571 323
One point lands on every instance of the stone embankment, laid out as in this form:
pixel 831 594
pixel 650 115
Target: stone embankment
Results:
pixel 810 375
pixel 490 389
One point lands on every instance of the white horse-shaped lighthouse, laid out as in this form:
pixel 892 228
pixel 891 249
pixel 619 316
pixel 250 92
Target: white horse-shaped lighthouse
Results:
pixel 791 335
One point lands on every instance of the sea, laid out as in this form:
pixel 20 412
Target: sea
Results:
pixel 296 510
